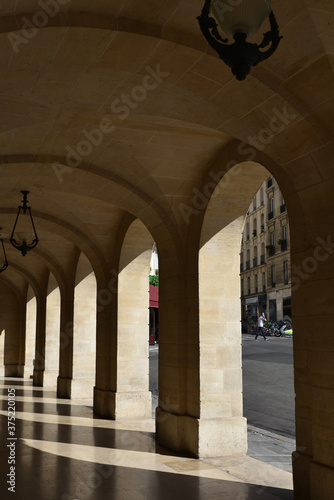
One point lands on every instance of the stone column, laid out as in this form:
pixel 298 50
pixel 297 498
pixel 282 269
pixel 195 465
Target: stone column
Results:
pixel 14 312
pixel 39 362
pixel 84 338
pixel 321 367
pixel 122 362
pixel 132 398
pixel 200 384
pixel 312 266
pixel 64 380
pixel 30 334
pixel 106 346
pixel 52 341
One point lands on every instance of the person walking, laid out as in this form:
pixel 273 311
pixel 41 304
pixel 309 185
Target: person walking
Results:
pixel 260 324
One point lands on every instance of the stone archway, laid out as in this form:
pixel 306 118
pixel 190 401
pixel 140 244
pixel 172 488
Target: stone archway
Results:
pixel 133 397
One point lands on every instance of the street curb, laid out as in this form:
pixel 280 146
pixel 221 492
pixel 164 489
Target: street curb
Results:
pixel 263 432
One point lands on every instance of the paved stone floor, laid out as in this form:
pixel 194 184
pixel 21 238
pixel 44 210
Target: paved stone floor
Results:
pixel 63 453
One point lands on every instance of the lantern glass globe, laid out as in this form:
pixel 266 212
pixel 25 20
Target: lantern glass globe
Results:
pixel 240 16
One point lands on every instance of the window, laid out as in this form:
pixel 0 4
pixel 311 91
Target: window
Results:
pixel 263 254
pixel 248 286
pixel 286 272
pixel 262 223
pixel 242 287
pixel 254 227
pixel 271 208
pixel 264 282
pixel 285 233
pixel 272 238
pixel 283 207
pixel 256 283
pixel 254 203
pixel 247 231
pixel 255 257
pixel 273 275
pixel 261 197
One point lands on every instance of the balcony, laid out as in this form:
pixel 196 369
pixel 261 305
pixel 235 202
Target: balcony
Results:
pixel 271 250
pixel 283 208
pixel 283 244
pixel 270 215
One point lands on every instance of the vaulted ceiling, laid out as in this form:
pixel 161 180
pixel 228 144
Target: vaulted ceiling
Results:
pixel 110 108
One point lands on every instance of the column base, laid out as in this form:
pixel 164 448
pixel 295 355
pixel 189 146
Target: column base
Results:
pixel 321 482
pixel 38 378
pixel 64 387
pixel 122 405
pixel 301 475
pixel 14 371
pixel 201 437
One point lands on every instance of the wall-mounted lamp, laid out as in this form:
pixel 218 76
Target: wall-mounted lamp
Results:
pixel 239 21
pixel 3 257
pixel 25 237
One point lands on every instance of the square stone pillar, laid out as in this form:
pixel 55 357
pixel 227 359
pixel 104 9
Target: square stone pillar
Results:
pixel 14 370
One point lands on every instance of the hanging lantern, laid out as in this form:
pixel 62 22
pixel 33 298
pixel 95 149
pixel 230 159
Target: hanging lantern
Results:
pixel 24 236
pixel 239 21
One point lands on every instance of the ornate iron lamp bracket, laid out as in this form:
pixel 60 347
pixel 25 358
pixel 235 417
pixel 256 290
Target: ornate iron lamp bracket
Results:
pixel 5 261
pixel 24 247
pixel 241 55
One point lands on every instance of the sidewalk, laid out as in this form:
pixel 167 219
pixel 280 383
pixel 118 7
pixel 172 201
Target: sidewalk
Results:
pixel 270 448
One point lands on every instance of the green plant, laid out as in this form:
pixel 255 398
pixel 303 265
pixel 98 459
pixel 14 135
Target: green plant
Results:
pixel 154 280
pixel 281 242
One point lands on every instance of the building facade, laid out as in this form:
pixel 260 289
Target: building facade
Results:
pixel 265 269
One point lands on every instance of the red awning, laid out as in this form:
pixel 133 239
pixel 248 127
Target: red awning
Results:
pixel 154 296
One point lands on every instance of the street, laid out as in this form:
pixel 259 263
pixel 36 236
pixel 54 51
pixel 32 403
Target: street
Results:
pixel 267 383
